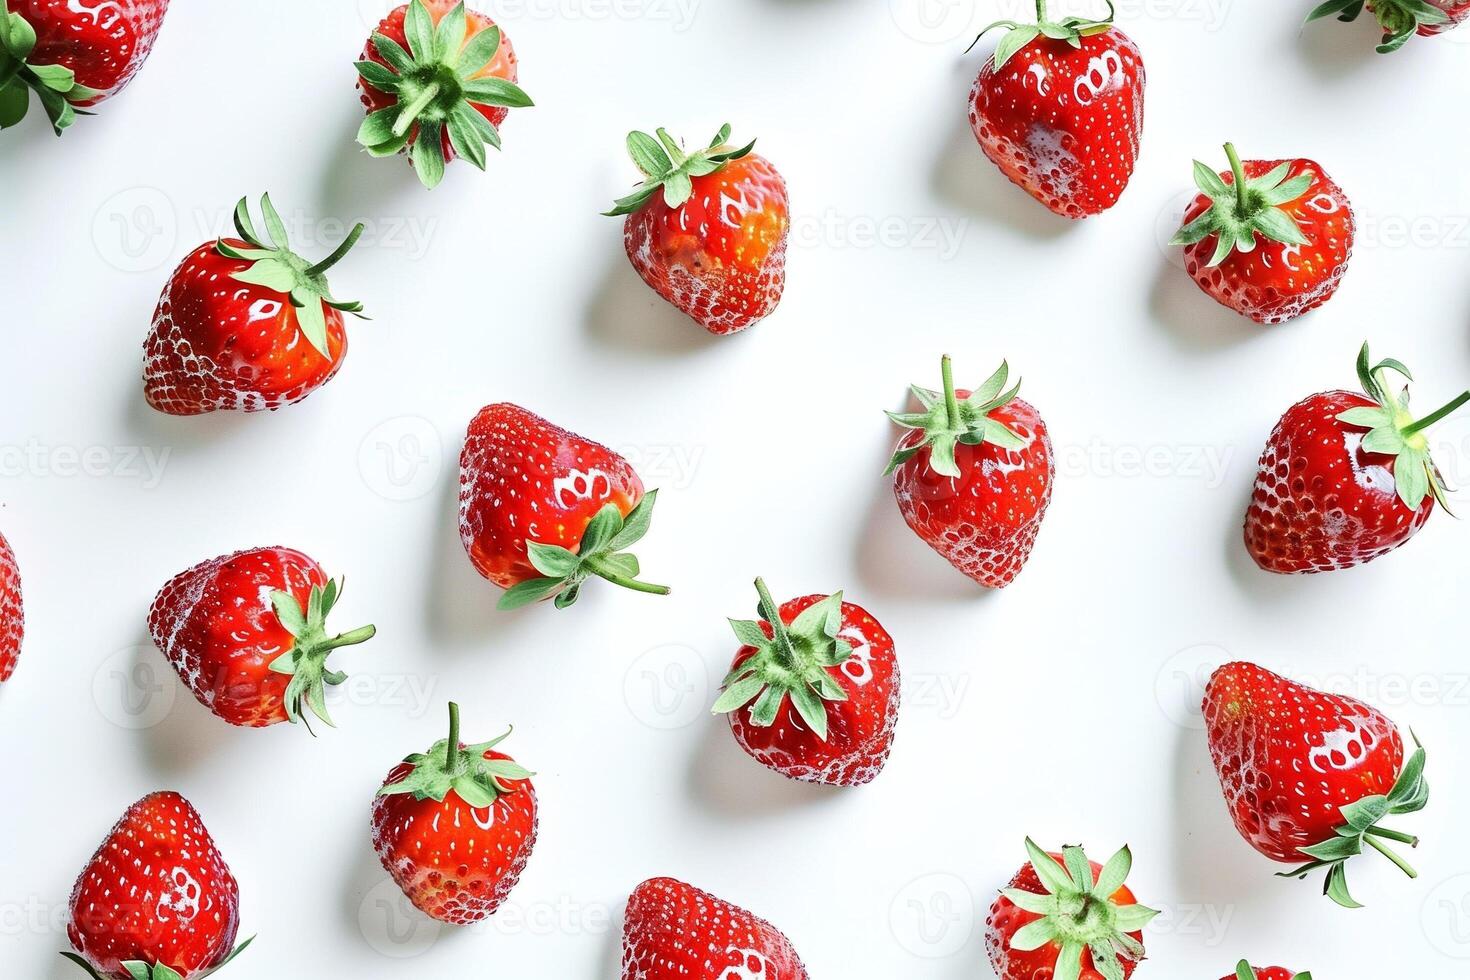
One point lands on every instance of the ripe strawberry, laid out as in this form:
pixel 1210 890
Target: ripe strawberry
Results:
pixel 813 692
pixel 1247 972
pixel 1059 109
pixel 12 612
pixel 541 509
pixel 1305 227
pixel 973 478
pixel 247 634
pixel 436 80
pixel 1067 918
pixel 1308 776
pixel 707 230
pixel 674 931
pixel 1345 478
pixel 227 332
pixel 1400 19
pixel 455 826
pixel 74 55
pixel 157 901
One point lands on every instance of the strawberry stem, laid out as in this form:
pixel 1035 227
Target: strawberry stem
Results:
pixel 1242 201
pixel 1399 836
pixel 451 757
pixel 603 571
pixel 410 114
pixel 1434 417
pixel 951 402
pixel 1041 11
pixel 338 253
pixel 771 613
pixel 1383 849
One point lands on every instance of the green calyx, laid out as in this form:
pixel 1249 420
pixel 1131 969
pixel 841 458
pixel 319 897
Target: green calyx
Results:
pixel 1244 971
pixel 670 169
pixel 1080 915
pixel 1400 19
pixel 139 970
pixel 449 767
pixel 1409 794
pixel 793 662
pixel 275 267
pixel 55 85
pixel 1244 209
pixel 306 662
pixel 436 92
pixel 602 553
pixel 1017 36
pixel 947 420
pixel 1393 431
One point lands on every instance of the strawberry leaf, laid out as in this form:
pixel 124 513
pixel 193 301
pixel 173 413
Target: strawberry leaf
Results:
pixel 670 170
pixel 949 419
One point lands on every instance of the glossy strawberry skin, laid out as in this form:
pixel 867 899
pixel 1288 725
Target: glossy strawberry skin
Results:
pixel 521 477
pixel 218 344
pixel 1268 973
pixel 104 43
pixel 157 890
pixel 720 257
pixel 859 730
pixel 1277 282
pixel 456 863
pixel 1006 919
pixel 1064 123
pixel 1289 758
pixel 985 522
pixel 12 612
pixel 216 627
pixel 1320 502
pixel 674 931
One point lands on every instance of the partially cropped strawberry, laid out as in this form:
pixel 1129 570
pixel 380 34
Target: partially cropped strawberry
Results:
pixel 1064 917
pixel 12 613
pixel 244 325
pixel 1247 972
pixel 541 509
pixel 157 901
pixel 1400 19
pixel 1270 239
pixel 73 55
pixel 1059 109
pixel 1309 776
pixel 973 477
pixel 455 826
pixel 247 634
pixel 1345 477
pixel 707 229
pixel 813 692
pixel 436 80
pixel 674 931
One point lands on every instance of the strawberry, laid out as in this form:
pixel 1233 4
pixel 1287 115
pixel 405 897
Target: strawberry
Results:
pixel 73 55
pixel 973 476
pixel 1345 477
pixel 1064 917
pixel 1308 776
pixel 542 509
pixel 707 230
pixel 1400 19
pixel 12 612
pixel 157 901
pixel 813 692
pixel 228 329
pixel 247 634
pixel 1247 972
pixel 1059 109
pixel 455 826
pixel 436 80
pixel 674 931
pixel 1270 239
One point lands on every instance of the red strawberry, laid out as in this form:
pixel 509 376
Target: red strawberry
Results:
pixel 1247 972
pixel 707 230
pixel 1059 109
pixel 813 693
pixel 12 613
pixel 157 901
pixel 1400 19
pixel 1064 917
pixel 541 509
pixel 674 931
pixel 973 478
pixel 1308 776
pixel 455 826
pixel 228 331
pixel 1270 239
pixel 436 80
pixel 74 55
pixel 1345 478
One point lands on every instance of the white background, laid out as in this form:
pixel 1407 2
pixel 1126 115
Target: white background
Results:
pixel 1062 707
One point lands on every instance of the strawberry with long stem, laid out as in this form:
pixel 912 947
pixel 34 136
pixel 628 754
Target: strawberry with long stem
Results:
pixel 1400 19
